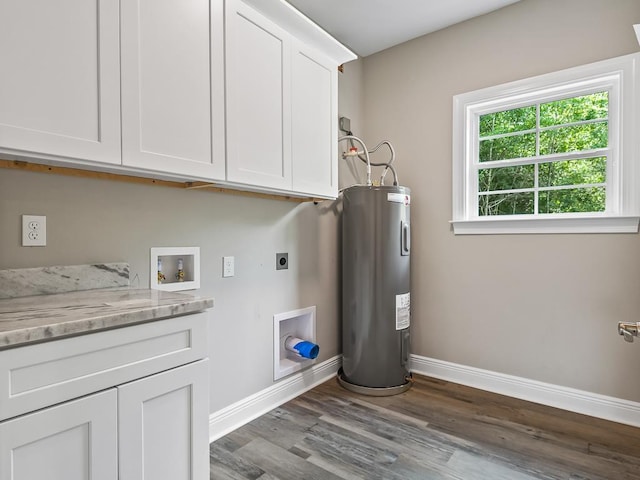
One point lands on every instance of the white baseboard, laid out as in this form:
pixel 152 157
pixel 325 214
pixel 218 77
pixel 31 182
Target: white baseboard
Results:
pixel 573 400
pixel 237 414
pixel 618 410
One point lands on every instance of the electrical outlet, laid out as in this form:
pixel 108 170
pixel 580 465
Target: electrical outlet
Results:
pixel 282 261
pixel 34 231
pixel 228 268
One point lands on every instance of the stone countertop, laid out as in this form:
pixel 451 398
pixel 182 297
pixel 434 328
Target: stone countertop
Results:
pixel 38 318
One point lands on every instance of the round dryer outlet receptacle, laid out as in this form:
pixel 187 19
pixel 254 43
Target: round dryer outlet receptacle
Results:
pixel 282 261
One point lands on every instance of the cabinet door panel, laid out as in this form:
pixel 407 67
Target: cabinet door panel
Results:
pixel 314 125
pixel 60 81
pixel 258 99
pixel 166 87
pixel 76 440
pixel 163 423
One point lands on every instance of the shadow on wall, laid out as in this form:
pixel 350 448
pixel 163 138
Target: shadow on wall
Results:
pixel 319 249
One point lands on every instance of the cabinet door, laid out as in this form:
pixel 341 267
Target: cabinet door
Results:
pixel 258 66
pixel 314 127
pixel 76 440
pixel 166 86
pixel 60 82
pixel 163 425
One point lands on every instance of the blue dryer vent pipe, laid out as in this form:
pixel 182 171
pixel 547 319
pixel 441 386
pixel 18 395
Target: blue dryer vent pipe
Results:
pixel 304 348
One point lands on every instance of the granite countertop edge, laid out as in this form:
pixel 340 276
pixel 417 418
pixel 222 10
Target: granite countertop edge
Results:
pixel 36 319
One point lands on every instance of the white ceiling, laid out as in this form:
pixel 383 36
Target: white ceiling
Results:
pixel 369 26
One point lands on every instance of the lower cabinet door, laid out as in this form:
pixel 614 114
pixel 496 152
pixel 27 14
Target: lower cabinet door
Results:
pixel 76 440
pixel 163 423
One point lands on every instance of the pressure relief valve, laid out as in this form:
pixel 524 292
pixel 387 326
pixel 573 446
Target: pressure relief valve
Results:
pixel 353 152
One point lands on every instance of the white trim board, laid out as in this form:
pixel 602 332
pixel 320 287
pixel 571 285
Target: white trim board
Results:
pixel 237 414
pixel 573 400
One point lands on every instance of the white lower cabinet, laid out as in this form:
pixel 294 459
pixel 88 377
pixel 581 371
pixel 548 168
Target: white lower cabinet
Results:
pixel 125 404
pixel 163 427
pixel 76 440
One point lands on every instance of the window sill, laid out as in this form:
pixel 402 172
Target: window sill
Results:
pixel 503 226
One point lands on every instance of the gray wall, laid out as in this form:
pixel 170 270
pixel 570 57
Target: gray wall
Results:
pixel 102 221
pixel 542 307
pixel 351 105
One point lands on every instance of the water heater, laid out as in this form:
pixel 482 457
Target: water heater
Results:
pixel 376 293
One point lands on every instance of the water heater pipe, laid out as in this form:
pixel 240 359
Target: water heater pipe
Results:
pixel 304 348
pixel 388 165
pixel 364 150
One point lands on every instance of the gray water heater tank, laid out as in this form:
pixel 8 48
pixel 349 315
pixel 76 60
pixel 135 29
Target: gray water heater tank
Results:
pixel 376 293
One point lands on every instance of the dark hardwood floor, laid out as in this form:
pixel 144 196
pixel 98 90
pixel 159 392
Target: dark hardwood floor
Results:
pixel 436 430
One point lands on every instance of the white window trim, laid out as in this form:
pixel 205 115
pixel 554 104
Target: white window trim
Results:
pixel 623 193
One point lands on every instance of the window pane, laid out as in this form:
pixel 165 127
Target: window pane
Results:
pixel 508 121
pixel 506 178
pixel 588 107
pixel 572 200
pixel 574 139
pixel 504 148
pixel 573 172
pixel 506 204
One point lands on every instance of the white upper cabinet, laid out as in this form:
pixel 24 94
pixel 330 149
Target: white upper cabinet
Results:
pixel 281 79
pixel 243 93
pixel 167 90
pixel 314 138
pixel 258 99
pixel 60 81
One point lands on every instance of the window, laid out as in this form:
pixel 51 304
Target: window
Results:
pixel 554 153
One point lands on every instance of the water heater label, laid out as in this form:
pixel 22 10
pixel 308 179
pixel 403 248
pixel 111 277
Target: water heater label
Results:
pixel 403 311
pixel 399 198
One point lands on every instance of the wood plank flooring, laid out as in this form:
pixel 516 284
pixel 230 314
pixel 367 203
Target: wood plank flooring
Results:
pixel 436 430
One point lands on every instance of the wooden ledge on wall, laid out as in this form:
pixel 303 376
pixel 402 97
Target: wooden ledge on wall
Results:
pixel 204 186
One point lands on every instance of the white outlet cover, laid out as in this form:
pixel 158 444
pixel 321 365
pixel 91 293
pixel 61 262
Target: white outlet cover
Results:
pixel 228 267
pixel 34 231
